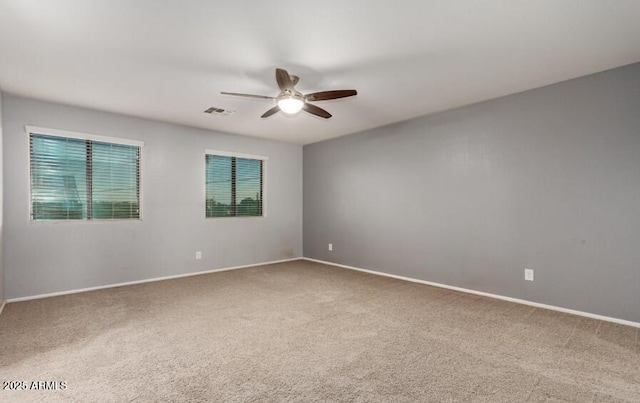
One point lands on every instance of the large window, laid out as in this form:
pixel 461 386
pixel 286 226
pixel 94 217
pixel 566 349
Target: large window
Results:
pixel 234 185
pixel 76 178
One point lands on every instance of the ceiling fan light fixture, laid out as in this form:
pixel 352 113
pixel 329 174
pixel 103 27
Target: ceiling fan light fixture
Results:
pixel 291 101
pixel 290 104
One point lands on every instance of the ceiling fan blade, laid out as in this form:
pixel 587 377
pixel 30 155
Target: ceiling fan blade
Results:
pixel 236 94
pixel 327 95
pixel 314 110
pixel 284 80
pixel 270 112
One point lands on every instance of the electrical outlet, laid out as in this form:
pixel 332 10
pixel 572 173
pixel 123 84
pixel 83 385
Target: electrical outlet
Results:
pixel 528 274
pixel 198 255
pixel 330 247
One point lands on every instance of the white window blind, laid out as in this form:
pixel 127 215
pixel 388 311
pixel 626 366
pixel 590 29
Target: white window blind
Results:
pixel 234 186
pixel 83 179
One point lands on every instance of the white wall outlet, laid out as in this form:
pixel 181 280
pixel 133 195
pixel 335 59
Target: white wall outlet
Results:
pixel 528 274
pixel 198 255
pixel 330 246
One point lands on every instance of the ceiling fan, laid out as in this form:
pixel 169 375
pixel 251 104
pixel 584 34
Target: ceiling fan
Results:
pixel 291 101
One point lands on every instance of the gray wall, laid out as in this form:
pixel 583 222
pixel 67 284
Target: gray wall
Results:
pixel 1 212
pixel 45 257
pixel 547 179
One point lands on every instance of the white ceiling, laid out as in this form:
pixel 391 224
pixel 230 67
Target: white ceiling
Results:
pixel 169 60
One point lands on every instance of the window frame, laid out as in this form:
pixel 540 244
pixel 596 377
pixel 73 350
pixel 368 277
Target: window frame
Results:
pixel 44 131
pixel 221 153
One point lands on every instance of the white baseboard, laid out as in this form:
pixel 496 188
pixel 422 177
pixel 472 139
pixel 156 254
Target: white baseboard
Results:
pixel 56 294
pixel 484 294
pixel 414 280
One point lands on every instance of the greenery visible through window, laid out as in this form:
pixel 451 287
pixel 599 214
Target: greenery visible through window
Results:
pixel 76 179
pixel 234 186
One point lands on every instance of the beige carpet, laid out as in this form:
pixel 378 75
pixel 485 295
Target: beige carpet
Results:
pixel 302 332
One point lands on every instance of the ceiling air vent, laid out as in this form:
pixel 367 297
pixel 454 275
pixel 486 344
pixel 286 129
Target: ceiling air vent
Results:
pixel 219 111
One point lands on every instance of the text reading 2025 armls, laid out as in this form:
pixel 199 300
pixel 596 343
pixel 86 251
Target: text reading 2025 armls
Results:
pixel 34 385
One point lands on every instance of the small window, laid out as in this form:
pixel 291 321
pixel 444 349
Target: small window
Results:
pixel 234 185
pixel 74 178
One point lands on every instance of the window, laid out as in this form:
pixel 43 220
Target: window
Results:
pixel 83 177
pixel 234 185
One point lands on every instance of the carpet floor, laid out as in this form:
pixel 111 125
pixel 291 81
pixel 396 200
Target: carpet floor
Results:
pixel 301 332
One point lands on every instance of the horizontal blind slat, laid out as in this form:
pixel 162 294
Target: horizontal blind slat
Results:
pixel 67 172
pixel 233 186
pixel 58 177
pixel 115 184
